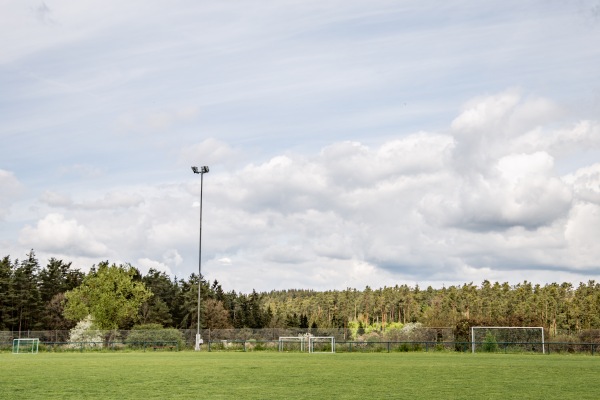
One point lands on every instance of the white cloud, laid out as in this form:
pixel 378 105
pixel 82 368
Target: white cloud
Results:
pixel 582 232
pixel 55 233
pixel 408 209
pixel 145 264
pixel 225 261
pixel 172 257
pixel 586 183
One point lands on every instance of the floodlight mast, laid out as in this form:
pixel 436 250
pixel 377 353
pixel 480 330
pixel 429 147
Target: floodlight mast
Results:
pixel 203 170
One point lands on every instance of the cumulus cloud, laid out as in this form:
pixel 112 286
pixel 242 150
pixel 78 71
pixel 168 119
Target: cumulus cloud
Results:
pixel 424 206
pixel 586 183
pixel 581 233
pixel 483 200
pixel 58 234
pixel 172 257
pixel 146 264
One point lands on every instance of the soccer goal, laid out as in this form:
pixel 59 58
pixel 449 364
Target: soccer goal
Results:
pixel 324 344
pixel 514 338
pixel 287 343
pixel 26 345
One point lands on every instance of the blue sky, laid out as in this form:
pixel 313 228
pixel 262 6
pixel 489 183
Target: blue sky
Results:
pixel 350 143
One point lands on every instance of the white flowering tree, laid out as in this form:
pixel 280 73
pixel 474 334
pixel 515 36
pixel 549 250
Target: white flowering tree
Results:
pixel 85 334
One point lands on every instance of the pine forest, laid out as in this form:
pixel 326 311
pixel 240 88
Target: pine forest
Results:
pixel 32 297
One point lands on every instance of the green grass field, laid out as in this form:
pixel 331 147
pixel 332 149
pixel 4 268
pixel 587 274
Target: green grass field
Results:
pixel 267 375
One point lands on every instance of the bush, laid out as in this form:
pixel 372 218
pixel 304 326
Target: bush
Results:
pixel 490 344
pixel 85 334
pixel 154 335
pixel 590 336
pixel 372 337
pixel 564 343
pixel 404 348
pixel 393 332
pixel 439 347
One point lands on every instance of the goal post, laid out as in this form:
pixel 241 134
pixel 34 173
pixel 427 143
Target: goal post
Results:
pixel 292 339
pixel 26 345
pixel 329 341
pixel 490 338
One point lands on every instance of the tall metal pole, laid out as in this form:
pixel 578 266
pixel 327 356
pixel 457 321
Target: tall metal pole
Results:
pixel 200 171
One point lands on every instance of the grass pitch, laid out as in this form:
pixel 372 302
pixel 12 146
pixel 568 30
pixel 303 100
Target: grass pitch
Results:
pixel 266 375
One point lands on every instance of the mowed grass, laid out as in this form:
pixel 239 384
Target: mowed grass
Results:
pixel 267 375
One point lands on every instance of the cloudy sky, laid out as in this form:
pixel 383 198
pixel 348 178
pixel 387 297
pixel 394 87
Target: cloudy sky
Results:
pixel 350 143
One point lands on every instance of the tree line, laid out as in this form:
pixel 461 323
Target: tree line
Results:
pixel 33 297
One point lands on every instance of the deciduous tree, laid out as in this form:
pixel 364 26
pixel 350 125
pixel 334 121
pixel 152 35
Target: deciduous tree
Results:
pixel 110 295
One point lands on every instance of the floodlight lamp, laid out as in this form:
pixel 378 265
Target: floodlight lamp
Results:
pixel 204 169
pixel 195 170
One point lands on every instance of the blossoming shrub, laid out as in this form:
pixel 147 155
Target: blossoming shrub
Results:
pixel 85 334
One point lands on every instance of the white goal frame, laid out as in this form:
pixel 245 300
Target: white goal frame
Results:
pixel 473 343
pixel 284 339
pixel 33 346
pixel 313 339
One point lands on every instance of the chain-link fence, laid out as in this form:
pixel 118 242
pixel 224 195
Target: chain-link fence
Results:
pixel 415 338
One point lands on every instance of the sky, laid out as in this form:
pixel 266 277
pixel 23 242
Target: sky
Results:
pixel 350 143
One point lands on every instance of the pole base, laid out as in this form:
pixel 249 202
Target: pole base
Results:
pixel 199 342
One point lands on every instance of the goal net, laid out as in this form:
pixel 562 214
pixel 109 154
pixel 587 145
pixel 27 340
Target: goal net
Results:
pixel 28 345
pixel 507 338
pixel 321 344
pixel 292 343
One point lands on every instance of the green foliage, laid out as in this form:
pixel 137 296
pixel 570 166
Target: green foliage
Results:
pixel 161 307
pixel 154 335
pixel 23 295
pixel 361 329
pixel 31 298
pixel 110 296
pixel 490 344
